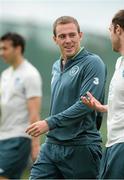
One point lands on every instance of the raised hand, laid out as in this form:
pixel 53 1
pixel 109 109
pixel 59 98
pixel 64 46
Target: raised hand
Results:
pixel 93 103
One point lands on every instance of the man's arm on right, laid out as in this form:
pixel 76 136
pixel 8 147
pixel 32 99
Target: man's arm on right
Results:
pixel 93 103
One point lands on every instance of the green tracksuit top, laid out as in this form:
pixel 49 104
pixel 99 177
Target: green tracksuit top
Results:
pixel 70 121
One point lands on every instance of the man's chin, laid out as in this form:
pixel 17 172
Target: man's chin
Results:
pixel 70 55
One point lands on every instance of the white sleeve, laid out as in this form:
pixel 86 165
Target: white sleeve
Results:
pixel 118 63
pixel 33 85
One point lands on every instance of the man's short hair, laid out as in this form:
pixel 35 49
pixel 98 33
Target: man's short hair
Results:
pixel 119 19
pixel 17 40
pixel 65 20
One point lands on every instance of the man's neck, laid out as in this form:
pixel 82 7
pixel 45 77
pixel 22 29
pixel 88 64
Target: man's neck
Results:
pixel 17 62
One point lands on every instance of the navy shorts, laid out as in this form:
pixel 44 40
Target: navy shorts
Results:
pixel 14 154
pixel 67 162
pixel 112 164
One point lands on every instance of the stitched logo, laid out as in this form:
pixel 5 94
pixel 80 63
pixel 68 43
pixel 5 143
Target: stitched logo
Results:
pixel 74 70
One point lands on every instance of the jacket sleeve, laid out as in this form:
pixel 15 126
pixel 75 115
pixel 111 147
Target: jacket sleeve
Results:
pixel 93 80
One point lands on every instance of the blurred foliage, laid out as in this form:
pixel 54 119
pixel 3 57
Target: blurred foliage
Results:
pixel 42 52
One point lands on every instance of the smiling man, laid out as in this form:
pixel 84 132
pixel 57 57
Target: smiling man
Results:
pixel 72 148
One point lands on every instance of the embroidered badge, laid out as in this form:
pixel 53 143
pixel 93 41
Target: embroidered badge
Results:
pixel 74 70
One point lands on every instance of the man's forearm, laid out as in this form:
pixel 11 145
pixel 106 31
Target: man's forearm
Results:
pixel 104 108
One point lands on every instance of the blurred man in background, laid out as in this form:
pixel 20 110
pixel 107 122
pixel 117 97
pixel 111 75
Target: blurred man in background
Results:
pixel 21 92
pixel 72 149
pixel 112 165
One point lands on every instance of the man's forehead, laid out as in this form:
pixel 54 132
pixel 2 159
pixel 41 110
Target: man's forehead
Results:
pixel 5 42
pixel 66 27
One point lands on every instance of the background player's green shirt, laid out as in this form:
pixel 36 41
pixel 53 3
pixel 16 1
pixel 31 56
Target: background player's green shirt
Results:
pixel 70 121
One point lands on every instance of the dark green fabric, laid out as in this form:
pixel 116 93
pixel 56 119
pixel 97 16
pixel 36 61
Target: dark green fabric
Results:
pixel 67 162
pixel 70 120
pixel 14 154
pixel 112 163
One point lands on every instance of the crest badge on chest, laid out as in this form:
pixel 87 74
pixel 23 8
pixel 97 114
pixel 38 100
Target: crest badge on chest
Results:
pixel 74 70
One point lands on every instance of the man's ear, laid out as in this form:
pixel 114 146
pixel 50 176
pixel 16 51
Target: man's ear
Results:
pixel 18 49
pixel 118 29
pixel 54 38
pixel 81 35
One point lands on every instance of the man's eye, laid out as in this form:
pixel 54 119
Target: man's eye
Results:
pixel 62 36
pixel 72 35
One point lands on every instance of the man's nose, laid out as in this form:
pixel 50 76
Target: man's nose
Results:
pixel 68 39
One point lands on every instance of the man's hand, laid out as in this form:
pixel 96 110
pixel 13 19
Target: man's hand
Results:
pixel 37 128
pixel 93 103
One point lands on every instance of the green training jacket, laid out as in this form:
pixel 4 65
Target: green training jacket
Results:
pixel 70 121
